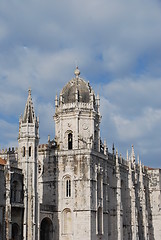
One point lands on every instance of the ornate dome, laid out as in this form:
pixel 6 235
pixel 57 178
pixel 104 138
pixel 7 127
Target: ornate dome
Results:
pixel 76 86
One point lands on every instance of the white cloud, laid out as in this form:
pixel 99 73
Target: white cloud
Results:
pixel 132 115
pixel 115 43
pixel 140 126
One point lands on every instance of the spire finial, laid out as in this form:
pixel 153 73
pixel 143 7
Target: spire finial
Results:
pixel 133 154
pixel 127 155
pixel 77 72
pixel 29 91
pixel 138 160
pixel 113 149
pixel 117 158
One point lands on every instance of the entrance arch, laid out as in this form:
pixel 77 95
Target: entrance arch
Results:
pixel 15 231
pixel 46 229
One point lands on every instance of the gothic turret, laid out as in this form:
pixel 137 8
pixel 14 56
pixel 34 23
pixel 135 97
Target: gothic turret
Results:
pixel 27 159
pixel 77 116
pixel 29 113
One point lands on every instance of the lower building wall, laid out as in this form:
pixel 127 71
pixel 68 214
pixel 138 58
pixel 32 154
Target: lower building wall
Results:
pixel 155 203
pixel 17 223
pixel 77 226
pixel 157 228
pixel 95 235
pixel 2 223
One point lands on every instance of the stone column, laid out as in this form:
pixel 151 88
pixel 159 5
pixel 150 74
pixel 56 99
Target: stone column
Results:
pixel 134 228
pixel 118 200
pixel 143 203
pixel 8 222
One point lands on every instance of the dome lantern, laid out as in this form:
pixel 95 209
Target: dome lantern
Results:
pixel 77 72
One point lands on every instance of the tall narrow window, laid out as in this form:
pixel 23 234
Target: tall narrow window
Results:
pixel 23 152
pixel 99 220
pixel 70 141
pixel 99 187
pixel 29 151
pixel 95 140
pixel 68 188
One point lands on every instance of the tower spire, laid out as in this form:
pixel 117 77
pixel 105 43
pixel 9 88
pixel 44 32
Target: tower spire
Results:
pixel 29 113
pixel 27 160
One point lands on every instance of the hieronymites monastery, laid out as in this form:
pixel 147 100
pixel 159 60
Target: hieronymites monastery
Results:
pixel 72 187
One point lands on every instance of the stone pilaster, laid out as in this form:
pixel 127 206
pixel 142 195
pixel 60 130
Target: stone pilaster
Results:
pixel 118 201
pixel 143 203
pixel 8 221
pixel 134 228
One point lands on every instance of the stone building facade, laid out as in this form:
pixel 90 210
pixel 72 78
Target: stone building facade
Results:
pixel 72 187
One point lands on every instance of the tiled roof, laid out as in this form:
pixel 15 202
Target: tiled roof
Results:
pixel 2 161
pixel 150 168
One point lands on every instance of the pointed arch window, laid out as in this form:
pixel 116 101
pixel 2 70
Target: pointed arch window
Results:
pixel 70 141
pixel 67 187
pixel 46 229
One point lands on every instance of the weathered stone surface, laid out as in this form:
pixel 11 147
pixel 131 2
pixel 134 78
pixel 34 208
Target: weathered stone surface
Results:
pixel 72 187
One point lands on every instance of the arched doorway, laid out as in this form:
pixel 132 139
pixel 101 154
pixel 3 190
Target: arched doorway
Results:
pixel 15 231
pixel 46 229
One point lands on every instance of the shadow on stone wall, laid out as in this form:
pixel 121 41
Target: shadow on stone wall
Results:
pixel 49 222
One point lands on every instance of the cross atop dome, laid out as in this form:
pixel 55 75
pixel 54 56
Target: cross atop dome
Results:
pixel 77 72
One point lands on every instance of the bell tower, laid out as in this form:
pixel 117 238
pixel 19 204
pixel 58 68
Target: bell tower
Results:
pixel 77 116
pixel 77 133
pixel 28 140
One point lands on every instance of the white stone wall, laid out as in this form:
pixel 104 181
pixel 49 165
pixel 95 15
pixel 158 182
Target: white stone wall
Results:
pixel 2 203
pixel 155 200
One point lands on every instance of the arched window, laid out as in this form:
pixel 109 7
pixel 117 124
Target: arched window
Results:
pixel 70 141
pixel 46 229
pixel 67 221
pixel 67 186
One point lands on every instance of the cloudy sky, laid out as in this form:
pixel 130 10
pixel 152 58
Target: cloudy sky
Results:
pixel 117 46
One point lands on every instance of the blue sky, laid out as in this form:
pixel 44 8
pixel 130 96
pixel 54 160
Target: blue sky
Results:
pixel 117 46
